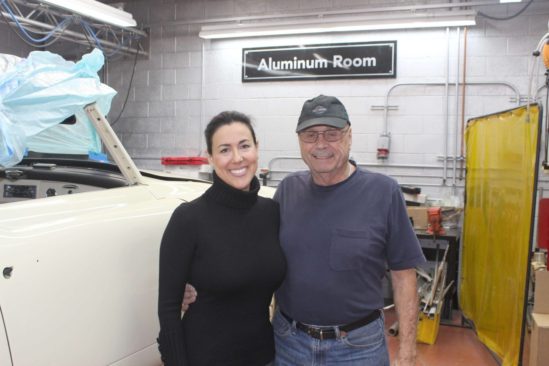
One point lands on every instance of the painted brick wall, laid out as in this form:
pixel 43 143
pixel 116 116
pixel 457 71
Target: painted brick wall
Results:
pixel 187 80
pixel 10 43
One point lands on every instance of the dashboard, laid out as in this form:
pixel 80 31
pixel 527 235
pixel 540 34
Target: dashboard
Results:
pixel 40 180
pixel 32 189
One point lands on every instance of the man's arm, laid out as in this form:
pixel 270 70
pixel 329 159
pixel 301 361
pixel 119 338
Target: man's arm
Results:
pixel 406 303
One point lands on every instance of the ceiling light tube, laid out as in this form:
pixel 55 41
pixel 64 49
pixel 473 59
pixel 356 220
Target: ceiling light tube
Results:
pixel 96 10
pixel 337 25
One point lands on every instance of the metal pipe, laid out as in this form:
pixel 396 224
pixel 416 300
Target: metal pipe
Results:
pixel 446 111
pixel 406 166
pixel 416 184
pixel 464 79
pixel 373 168
pixel 476 83
pixel 350 11
pixel 414 176
pixel 385 128
pixel 53 11
pixel 454 162
pixel 393 329
pixel 544 126
pixel 202 96
pixel 539 91
pixel 378 165
pixel 74 36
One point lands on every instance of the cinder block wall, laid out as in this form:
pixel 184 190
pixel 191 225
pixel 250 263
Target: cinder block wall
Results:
pixel 186 80
pixel 10 43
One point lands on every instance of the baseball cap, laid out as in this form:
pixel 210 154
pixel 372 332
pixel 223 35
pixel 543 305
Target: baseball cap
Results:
pixel 322 110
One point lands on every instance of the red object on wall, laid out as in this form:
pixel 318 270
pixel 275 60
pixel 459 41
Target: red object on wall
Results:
pixel 183 160
pixel 543 223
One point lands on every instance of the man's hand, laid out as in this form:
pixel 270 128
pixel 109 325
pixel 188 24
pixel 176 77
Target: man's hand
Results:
pixel 189 297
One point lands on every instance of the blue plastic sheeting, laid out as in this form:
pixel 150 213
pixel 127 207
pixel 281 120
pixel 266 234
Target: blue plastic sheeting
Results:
pixel 38 93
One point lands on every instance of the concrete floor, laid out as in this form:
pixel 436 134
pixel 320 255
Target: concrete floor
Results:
pixel 454 346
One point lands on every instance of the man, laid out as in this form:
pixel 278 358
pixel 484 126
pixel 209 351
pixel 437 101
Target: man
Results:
pixel 340 228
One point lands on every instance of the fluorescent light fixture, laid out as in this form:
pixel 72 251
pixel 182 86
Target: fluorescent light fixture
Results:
pixel 510 1
pixel 339 24
pixel 96 10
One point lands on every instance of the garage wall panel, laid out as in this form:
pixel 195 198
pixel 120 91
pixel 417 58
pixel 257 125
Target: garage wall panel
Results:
pixel 174 73
pixel 10 43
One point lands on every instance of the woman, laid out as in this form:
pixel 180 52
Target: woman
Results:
pixel 226 244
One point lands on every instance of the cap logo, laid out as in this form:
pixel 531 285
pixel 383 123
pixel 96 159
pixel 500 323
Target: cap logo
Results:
pixel 319 110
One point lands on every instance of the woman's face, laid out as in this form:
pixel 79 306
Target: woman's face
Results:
pixel 234 155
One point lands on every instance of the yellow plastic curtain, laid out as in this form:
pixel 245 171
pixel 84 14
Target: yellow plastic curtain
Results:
pixel 500 184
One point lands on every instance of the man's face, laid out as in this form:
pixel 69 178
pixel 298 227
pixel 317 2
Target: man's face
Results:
pixel 326 159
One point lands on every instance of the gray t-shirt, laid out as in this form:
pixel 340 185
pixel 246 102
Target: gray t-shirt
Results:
pixel 338 241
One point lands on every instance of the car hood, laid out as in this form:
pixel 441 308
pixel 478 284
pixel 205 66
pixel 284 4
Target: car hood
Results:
pixel 35 217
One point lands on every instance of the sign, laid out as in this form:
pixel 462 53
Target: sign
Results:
pixel 335 61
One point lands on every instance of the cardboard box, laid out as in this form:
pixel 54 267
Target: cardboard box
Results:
pixel 539 339
pixel 541 294
pixel 418 199
pixel 419 216
pixel 539 352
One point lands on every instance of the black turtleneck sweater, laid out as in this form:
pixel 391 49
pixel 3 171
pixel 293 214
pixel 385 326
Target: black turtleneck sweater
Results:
pixel 225 243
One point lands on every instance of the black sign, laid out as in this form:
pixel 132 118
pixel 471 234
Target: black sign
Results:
pixel 343 61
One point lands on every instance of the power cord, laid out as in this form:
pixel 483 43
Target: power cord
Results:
pixel 508 17
pixel 130 84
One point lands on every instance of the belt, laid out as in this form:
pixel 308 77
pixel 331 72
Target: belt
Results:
pixel 329 332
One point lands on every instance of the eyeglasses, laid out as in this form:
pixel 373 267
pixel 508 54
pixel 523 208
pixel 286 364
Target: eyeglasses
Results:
pixel 332 135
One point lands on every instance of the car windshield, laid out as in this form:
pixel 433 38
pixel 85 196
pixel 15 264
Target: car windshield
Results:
pixel 42 100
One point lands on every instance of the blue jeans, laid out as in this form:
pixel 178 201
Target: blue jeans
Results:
pixel 365 346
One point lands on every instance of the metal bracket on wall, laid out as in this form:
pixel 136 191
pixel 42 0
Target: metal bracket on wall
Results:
pixel 522 99
pixel 40 25
pixel 382 107
pixel 450 158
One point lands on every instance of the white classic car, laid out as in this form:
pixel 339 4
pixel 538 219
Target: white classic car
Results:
pixel 79 243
